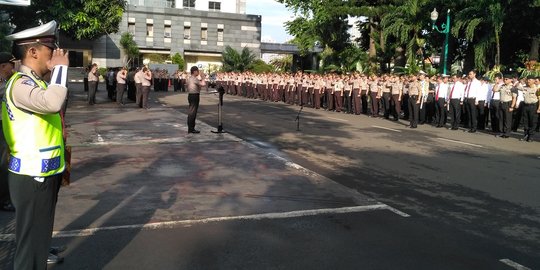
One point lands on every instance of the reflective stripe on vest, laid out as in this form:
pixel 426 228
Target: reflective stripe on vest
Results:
pixel 35 140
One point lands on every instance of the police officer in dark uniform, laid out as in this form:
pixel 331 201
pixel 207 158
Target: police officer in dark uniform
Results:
pixel 530 109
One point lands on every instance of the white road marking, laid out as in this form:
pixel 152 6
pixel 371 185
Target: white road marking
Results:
pixel 514 265
pixel 342 120
pixel 100 139
pixel 308 172
pixel 460 142
pixel 186 223
pixel 391 129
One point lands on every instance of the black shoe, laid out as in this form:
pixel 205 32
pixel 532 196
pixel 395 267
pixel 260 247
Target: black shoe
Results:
pixel 413 127
pixel 454 128
pixel 57 250
pixel 472 131
pixel 505 136
pixel 193 131
pixel 54 259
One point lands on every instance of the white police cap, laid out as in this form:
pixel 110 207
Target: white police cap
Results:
pixel 45 34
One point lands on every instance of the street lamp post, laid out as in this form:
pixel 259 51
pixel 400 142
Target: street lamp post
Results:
pixel 445 30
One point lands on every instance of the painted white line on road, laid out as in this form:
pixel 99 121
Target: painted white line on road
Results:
pixel 391 129
pixel 100 139
pixel 342 120
pixel 514 265
pixel 460 142
pixel 185 223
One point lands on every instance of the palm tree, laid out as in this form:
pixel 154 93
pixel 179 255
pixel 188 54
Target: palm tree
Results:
pixel 235 61
pixel 405 22
pixel 481 23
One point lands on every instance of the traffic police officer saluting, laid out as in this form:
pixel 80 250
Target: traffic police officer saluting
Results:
pixel 33 131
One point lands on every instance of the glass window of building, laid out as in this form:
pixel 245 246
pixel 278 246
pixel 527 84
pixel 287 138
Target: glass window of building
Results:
pixel 187 32
pixel 168 31
pixel 131 28
pixel 204 33
pixel 220 35
pixel 214 6
pixel 189 3
pixel 149 30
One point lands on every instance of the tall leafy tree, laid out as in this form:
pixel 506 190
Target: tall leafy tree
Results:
pixel 80 19
pixel 131 50
pixel 318 22
pixel 481 22
pixel 237 61
pixel 406 23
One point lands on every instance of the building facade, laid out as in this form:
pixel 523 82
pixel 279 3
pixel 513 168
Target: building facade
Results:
pixel 199 30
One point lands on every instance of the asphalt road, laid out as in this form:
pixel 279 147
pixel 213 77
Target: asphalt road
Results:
pixel 344 192
pixel 469 188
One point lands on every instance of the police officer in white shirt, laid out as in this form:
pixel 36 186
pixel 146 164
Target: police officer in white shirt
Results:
pixel 441 91
pixel 494 103
pixel 455 97
pixel 471 92
pixel 481 97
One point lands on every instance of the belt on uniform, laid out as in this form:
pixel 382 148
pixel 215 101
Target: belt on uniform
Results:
pixel 413 96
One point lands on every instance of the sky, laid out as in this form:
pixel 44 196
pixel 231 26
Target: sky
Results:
pixel 274 15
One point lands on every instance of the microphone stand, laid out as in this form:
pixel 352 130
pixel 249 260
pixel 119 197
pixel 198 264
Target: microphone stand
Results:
pixel 297 120
pixel 221 92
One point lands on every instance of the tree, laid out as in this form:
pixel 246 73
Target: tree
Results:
pixel 4 31
pixel 237 61
pixel 318 22
pixel 259 66
pixel 88 19
pixel 157 58
pixel 406 23
pixel 130 47
pixel 283 63
pixel 179 60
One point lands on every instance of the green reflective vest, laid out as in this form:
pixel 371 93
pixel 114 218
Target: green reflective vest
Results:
pixel 35 140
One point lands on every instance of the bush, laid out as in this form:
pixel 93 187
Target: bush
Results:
pixel 259 66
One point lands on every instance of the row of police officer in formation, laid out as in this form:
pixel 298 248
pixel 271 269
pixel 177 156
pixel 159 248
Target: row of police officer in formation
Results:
pixel 503 103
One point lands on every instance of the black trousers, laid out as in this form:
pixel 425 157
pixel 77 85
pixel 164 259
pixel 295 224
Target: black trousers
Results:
pixel 193 100
pixel 530 117
pixel 505 121
pixel 35 203
pixel 120 88
pixel 481 112
pixel 4 155
pixel 516 116
pixel 440 111
pixel 495 115
pixel 329 100
pixel 139 94
pixel 386 104
pixel 348 104
pixel 405 106
pixel 145 93
pixel 414 111
pixel 471 113
pixel 92 89
pixel 374 104
pixel 455 112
